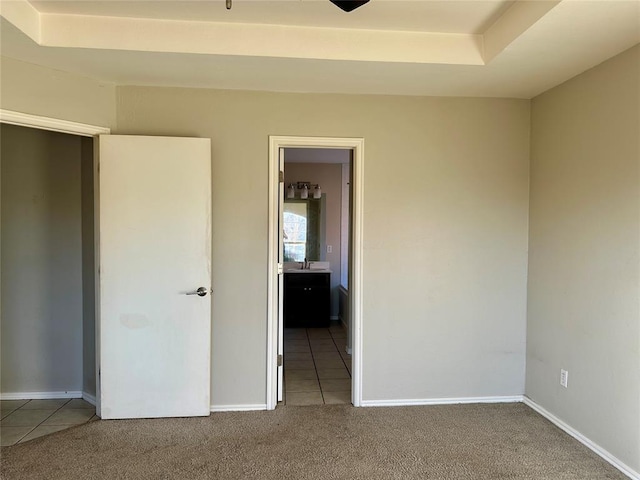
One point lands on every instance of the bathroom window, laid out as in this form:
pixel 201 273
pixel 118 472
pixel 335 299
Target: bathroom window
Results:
pixel 295 232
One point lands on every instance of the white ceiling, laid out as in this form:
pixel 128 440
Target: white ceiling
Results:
pixel 458 48
pixel 447 16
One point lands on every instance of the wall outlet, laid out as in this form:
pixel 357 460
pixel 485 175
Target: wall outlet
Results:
pixel 564 378
pixel 329 249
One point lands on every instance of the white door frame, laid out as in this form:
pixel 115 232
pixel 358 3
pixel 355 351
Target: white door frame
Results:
pixel 355 288
pixel 28 120
pixel 53 124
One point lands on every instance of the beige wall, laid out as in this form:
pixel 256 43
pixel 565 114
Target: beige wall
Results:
pixel 37 90
pixel 584 279
pixel 329 177
pixel 41 262
pixel 445 231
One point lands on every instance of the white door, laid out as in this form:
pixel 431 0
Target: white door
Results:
pixel 154 217
pixel 281 278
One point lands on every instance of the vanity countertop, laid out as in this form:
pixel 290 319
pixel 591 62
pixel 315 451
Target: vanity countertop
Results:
pixel 308 270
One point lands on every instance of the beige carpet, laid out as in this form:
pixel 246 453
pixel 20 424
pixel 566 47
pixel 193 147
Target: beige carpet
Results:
pixel 508 441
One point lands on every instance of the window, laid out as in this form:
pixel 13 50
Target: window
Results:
pixel 295 232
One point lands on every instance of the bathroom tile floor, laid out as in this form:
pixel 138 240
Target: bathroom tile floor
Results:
pixel 317 368
pixel 24 420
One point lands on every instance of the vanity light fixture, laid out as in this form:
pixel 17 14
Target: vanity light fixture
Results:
pixel 304 188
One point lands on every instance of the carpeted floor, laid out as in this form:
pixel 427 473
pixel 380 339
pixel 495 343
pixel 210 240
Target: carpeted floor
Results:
pixel 504 441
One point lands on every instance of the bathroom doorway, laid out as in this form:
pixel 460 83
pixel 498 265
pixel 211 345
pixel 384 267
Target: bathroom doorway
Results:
pixel 315 212
pixel 314 286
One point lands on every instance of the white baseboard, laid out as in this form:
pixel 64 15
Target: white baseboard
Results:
pixel 87 397
pixel 608 457
pixel 39 395
pixel 628 471
pixel 440 401
pixel 238 408
pixel 334 318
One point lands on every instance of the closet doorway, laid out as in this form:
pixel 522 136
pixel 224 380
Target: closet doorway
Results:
pixel 48 280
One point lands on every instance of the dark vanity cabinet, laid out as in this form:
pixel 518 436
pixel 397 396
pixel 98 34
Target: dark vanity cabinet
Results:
pixel 306 300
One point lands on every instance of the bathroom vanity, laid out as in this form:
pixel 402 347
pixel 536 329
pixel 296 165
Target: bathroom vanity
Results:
pixel 306 298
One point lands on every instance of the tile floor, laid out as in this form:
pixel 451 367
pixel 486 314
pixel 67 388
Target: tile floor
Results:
pixel 24 420
pixel 317 368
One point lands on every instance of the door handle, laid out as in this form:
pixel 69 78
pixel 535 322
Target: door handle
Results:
pixel 201 292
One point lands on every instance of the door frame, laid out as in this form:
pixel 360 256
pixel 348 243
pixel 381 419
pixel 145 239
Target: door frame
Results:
pixel 28 120
pixel 356 145
pixel 53 124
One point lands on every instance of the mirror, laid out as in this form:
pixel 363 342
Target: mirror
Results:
pixel 304 229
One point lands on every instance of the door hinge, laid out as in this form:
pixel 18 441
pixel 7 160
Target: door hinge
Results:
pixel 280 269
pixel 281 176
pixel 279 360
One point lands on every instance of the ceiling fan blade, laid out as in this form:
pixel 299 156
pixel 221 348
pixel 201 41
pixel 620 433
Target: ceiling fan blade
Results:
pixel 349 5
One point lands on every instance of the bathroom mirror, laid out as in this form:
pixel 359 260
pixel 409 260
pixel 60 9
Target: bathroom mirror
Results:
pixel 304 229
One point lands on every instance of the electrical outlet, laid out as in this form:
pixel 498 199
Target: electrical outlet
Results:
pixel 329 249
pixel 564 378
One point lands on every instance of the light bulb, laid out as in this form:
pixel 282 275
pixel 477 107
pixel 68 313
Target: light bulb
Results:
pixel 304 194
pixel 291 191
pixel 317 193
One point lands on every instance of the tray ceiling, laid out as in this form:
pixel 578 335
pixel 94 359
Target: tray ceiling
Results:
pixel 455 48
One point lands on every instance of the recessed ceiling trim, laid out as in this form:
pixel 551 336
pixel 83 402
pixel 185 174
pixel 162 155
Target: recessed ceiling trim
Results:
pixel 444 16
pixel 512 24
pixel 24 16
pixel 213 38
pixel 570 38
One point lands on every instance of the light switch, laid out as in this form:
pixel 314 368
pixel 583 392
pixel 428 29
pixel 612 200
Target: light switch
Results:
pixel 329 249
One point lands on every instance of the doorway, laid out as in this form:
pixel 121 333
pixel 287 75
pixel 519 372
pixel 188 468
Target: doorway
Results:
pixel 85 134
pixel 336 251
pixel 48 341
pixel 47 264
pixel 316 225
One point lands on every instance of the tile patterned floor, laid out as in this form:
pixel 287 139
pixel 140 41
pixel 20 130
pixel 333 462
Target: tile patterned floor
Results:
pixel 24 420
pixel 317 368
